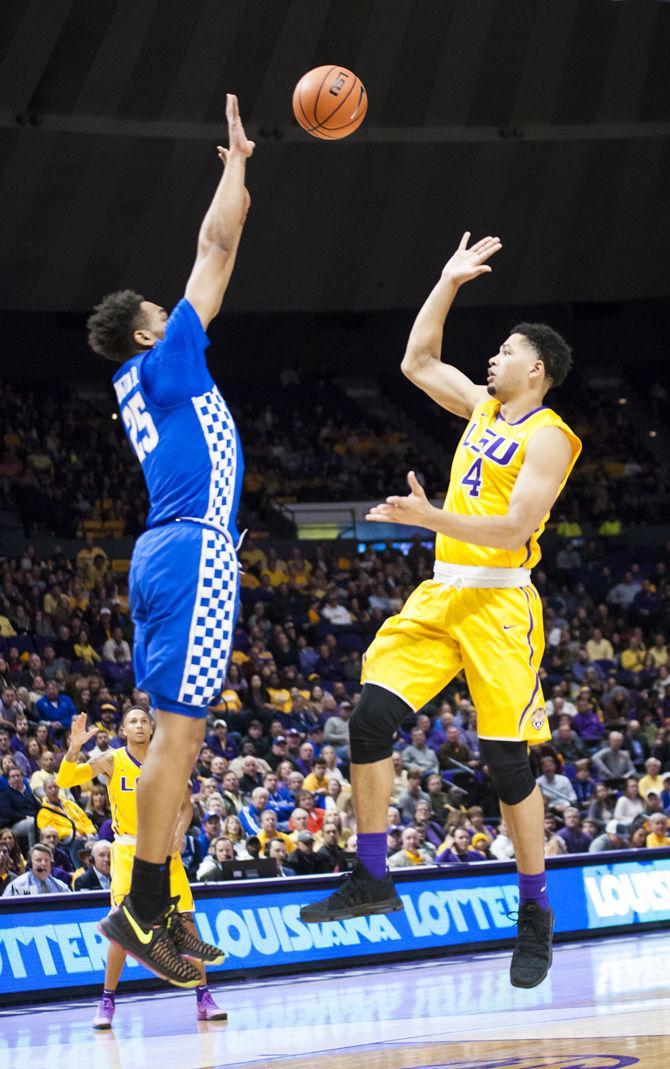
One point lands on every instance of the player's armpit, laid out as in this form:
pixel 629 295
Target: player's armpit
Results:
pixel 445 384
pixel 548 456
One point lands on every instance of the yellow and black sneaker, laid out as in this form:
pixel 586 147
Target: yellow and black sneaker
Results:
pixel 188 943
pixel 151 945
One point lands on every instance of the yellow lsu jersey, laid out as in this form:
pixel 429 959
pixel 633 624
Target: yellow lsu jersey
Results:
pixel 121 789
pixel 484 470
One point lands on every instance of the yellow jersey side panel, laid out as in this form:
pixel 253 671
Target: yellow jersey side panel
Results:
pixel 484 471
pixel 121 789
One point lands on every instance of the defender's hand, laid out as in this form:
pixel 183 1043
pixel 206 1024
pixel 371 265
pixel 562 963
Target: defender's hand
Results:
pixel 413 510
pixel 238 142
pixel 467 263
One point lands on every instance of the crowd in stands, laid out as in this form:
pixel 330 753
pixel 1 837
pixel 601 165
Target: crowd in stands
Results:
pixel 272 780
pixel 66 468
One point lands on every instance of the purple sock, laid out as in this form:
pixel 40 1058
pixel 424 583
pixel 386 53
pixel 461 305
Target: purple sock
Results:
pixel 371 850
pixel 106 993
pixel 200 991
pixel 533 889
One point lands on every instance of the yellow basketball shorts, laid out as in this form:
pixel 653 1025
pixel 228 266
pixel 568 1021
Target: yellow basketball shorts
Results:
pixel 495 635
pixel 123 855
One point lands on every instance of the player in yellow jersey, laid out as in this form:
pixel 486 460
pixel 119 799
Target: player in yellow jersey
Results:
pixel 123 767
pixel 480 612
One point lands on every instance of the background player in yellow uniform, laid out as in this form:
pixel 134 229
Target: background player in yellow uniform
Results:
pixel 123 767
pixel 480 612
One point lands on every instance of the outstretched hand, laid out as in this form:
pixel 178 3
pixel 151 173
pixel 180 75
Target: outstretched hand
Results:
pixel 413 510
pixel 79 733
pixel 238 142
pixel 468 263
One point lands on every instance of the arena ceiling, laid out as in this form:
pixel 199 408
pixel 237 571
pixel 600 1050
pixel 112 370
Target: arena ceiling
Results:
pixel 545 121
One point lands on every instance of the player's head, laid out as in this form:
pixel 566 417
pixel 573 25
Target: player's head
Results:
pixel 124 324
pixel 533 357
pixel 137 725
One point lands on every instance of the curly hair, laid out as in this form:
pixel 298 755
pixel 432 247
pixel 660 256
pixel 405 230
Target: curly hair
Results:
pixel 553 350
pixel 111 325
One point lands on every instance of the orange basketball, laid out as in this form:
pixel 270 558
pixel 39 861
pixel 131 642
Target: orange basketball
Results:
pixel 330 102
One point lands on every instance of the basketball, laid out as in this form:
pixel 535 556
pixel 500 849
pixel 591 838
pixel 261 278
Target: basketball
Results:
pixel 330 102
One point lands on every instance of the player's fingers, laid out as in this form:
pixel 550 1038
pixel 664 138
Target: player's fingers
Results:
pixel 487 253
pixel 464 240
pixel 485 244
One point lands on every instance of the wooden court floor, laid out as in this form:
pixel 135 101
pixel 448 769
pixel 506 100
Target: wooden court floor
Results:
pixel 605 1005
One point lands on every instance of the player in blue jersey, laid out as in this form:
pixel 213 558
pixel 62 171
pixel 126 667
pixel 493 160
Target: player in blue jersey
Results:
pixel 184 571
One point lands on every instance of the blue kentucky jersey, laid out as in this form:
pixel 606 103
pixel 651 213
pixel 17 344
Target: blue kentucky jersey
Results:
pixel 180 427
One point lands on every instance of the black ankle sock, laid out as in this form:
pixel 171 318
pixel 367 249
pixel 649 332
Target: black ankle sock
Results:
pixel 147 890
pixel 166 881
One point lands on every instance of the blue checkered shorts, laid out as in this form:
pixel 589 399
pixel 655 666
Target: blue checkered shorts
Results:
pixel 184 595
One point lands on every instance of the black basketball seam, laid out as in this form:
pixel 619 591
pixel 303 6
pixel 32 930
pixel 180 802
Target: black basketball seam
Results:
pixel 318 94
pixel 310 125
pixel 352 120
pixel 342 101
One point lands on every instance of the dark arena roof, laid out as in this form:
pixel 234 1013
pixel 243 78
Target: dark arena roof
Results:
pixel 545 121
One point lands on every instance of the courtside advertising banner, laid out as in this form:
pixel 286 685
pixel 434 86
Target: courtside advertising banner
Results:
pixel 50 944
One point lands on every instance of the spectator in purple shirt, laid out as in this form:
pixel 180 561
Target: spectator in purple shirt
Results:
pixel 328 665
pixel 460 849
pixel 587 723
pixel 219 742
pixel 118 673
pixel 20 736
pixel 433 832
pixel 576 840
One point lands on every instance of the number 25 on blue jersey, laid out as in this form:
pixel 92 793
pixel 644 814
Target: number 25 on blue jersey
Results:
pixel 140 426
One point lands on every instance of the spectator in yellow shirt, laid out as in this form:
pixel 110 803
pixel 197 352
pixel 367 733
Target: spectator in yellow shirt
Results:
pixel 634 656
pixel 653 781
pixel 598 647
pixel 658 827
pixel 317 781
pixel 269 832
pixel 279 696
pixel 657 657
pixel 276 569
pixel 69 820
pixel 83 650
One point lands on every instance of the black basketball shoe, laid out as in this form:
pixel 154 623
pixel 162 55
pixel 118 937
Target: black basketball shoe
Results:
pixel 531 959
pixel 151 945
pixel 359 896
pixel 189 945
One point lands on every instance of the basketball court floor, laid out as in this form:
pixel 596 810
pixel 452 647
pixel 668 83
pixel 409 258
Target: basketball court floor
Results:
pixel 605 1005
